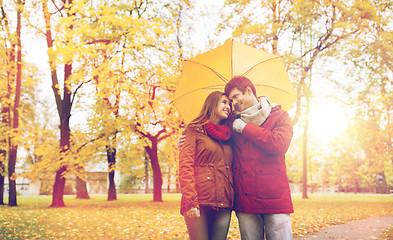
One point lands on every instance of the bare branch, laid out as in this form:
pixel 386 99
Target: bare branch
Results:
pixel 58 9
pixel 76 90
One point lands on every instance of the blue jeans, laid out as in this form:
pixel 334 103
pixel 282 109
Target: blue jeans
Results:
pixel 211 225
pixel 255 226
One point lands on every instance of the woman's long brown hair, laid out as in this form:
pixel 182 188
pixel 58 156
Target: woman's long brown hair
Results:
pixel 209 108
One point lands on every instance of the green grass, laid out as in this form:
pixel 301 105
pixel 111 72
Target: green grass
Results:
pixel 137 217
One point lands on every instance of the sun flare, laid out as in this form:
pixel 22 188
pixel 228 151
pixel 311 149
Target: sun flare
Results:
pixel 328 119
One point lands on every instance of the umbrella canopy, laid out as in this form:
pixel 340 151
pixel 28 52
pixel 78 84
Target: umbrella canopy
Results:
pixel 210 71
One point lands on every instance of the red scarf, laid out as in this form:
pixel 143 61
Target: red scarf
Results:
pixel 219 132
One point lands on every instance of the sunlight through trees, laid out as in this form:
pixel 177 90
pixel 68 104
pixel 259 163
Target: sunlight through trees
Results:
pixel 100 93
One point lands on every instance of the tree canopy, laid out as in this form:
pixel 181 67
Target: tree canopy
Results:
pixel 112 68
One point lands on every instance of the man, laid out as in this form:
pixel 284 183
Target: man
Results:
pixel 262 194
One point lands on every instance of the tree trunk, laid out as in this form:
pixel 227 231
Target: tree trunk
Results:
pixel 111 149
pixel 58 187
pixel 157 176
pixel 146 175
pixel 381 184
pixel 81 189
pixel 111 155
pixel 62 106
pixel 305 139
pixel 169 179
pixel 6 108
pixel 157 180
pixel 1 184
pixel 12 201
pixel 3 155
pixel 177 181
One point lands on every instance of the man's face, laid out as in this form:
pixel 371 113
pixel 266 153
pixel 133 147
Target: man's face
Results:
pixel 241 101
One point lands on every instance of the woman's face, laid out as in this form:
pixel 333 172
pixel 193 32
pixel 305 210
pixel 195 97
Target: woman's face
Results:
pixel 223 108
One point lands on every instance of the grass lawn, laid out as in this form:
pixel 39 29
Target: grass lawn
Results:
pixel 137 217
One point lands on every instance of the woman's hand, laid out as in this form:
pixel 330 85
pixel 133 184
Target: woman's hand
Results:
pixel 193 213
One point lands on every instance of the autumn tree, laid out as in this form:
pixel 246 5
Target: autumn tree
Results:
pixel 61 18
pixel 13 80
pixel 149 81
pixel 121 56
pixel 358 157
pixel 160 131
pixel 305 32
pixel 157 119
pixel 347 158
pixel 370 66
pixel 342 22
pixel 104 67
pixel 5 74
pixel 63 108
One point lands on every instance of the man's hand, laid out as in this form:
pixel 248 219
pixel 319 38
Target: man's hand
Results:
pixel 193 213
pixel 238 125
pixel 181 141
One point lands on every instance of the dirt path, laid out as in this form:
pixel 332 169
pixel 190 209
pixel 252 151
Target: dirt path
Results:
pixel 370 228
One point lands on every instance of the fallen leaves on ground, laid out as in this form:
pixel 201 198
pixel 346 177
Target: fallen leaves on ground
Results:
pixel 137 217
pixel 323 211
pixel 388 233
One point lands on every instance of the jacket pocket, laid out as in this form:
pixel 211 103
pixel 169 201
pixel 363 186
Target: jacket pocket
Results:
pixel 204 184
pixel 270 182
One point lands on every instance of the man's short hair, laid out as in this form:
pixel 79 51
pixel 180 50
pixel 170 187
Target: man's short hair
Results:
pixel 241 83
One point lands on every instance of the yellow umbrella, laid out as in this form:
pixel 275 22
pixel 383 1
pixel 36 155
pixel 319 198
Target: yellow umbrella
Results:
pixel 210 71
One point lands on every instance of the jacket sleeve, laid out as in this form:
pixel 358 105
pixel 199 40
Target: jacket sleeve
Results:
pixel 186 170
pixel 275 141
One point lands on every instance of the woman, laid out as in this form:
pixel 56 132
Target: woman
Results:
pixel 205 171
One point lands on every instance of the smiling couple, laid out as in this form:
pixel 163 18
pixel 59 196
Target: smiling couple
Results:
pixel 236 161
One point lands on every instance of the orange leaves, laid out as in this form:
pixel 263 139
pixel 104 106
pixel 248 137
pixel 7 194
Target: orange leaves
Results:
pixel 137 217
pixel 321 211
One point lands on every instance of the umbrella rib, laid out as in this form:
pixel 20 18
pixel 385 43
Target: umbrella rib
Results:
pixel 249 70
pixel 232 58
pixel 213 86
pixel 219 75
